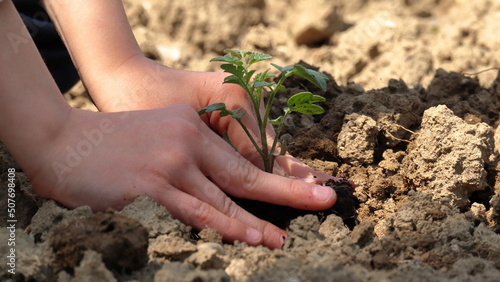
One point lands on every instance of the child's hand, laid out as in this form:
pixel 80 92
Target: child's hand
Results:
pixel 108 159
pixel 144 84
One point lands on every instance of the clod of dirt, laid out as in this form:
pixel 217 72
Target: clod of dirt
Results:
pixel 171 248
pixel 363 234
pixel 394 109
pixel 346 204
pixel 91 268
pixel 31 259
pixel 121 241
pixel 357 140
pixel 208 256
pixel 51 214
pixel 210 235
pixel 493 214
pixel 155 218
pixel 447 158
pixel 313 22
pixel 177 271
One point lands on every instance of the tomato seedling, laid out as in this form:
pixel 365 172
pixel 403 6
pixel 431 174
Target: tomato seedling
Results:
pixel 238 63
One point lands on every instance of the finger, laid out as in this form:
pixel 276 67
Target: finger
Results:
pixel 240 178
pixel 198 185
pixel 293 167
pixel 200 215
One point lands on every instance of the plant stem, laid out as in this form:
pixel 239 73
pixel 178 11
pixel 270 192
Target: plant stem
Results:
pixel 269 155
pixel 259 150
pixel 278 133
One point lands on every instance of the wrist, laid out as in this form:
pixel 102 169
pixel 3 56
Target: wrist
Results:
pixel 32 110
pixel 141 84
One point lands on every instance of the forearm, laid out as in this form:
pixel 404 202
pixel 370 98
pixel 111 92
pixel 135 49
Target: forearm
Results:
pixel 32 110
pixel 98 37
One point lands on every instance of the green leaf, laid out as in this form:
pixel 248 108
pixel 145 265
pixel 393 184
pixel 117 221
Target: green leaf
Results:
pixel 232 79
pixel 259 84
pixel 277 121
pixel 232 69
pixel 283 69
pixel 313 76
pixel 281 88
pixel 236 80
pixel 237 114
pixel 308 109
pixel 212 108
pixel 248 76
pixel 263 76
pixel 237 53
pixel 228 58
pixel 304 98
pixel 283 150
pixel 257 57
pixel 237 77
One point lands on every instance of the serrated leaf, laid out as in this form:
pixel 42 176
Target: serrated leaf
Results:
pixel 313 76
pixel 283 69
pixel 232 69
pixel 308 109
pixel 304 98
pixel 234 80
pixel 257 57
pixel 234 52
pixel 237 76
pixel 228 58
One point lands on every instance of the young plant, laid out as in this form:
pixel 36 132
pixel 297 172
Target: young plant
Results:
pixel 238 63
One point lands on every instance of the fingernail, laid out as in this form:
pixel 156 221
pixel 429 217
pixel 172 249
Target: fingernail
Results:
pixel 253 235
pixel 322 193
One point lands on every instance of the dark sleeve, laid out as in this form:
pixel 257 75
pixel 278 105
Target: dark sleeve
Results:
pixel 48 42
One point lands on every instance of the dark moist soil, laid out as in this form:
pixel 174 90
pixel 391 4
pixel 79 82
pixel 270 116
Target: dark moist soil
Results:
pixel 281 216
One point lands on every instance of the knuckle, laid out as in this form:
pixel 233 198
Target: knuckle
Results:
pixel 229 207
pixel 249 174
pixel 296 190
pixel 202 213
pixel 185 127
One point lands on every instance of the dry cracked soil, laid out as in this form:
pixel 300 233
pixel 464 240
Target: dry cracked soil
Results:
pixel 411 117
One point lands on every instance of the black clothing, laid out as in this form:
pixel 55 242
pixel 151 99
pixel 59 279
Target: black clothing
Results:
pixel 48 42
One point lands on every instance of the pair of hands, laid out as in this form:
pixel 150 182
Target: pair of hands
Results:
pixel 172 155
pixel 148 139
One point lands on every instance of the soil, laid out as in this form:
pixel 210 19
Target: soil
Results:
pixel 411 118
